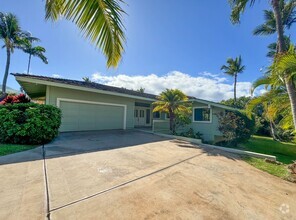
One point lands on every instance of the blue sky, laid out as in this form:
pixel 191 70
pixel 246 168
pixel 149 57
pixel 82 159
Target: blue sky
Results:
pixel 169 44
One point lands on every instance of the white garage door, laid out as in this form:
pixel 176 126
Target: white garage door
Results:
pixel 87 116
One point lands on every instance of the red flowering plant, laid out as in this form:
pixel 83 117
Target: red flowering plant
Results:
pixel 12 99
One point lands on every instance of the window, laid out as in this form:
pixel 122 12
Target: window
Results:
pixel 147 116
pixel 141 113
pixel 136 114
pixel 156 114
pixel 167 115
pixel 203 114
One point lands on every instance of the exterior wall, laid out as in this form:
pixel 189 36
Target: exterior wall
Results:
pixel 209 130
pixel 56 92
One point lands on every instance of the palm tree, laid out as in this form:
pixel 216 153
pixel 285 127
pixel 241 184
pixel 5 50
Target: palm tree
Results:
pixel 9 33
pixel 233 68
pixel 36 51
pixel 273 47
pixel 99 20
pixel 13 37
pixel 171 101
pixel 86 79
pixel 275 103
pixel 287 9
pixel 239 6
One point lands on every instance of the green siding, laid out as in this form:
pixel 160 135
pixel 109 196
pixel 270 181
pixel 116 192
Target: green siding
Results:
pixel 209 130
pixel 57 92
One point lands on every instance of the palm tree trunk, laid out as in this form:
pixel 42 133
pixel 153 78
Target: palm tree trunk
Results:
pixel 6 71
pixel 272 131
pixel 234 89
pixel 282 48
pixel 29 63
pixel 171 121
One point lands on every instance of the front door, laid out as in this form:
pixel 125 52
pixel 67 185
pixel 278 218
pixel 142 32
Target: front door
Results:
pixel 142 116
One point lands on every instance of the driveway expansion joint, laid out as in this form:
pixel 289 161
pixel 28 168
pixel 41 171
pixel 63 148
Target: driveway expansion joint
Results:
pixel 46 183
pixel 123 184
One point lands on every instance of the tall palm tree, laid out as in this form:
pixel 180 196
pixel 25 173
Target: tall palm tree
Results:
pixel 233 68
pixel 239 6
pixel 99 20
pixel 36 51
pixel 12 36
pixel 171 101
pixel 288 10
pixel 9 33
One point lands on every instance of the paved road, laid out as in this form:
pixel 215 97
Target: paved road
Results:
pixel 135 175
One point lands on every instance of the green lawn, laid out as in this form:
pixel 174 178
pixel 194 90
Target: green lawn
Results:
pixel 274 169
pixel 284 152
pixel 14 148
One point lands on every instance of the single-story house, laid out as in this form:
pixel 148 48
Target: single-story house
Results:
pixel 91 106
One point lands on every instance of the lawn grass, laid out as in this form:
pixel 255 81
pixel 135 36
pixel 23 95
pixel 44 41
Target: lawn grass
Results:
pixel 274 169
pixel 284 152
pixel 14 148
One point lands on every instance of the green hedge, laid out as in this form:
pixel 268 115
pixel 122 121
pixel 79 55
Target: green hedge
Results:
pixel 29 123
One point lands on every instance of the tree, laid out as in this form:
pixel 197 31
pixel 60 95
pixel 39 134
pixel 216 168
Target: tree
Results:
pixel 288 12
pixel 241 102
pixel 13 37
pixel 36 51
pixel 239 6
pixel 86 79
pixel 171 101
pixel 233 68
pixel 99 20
pixel 235 127
pixel 141 90
pixel 275 102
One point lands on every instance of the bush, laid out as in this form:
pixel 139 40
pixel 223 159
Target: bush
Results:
pixel 12 99
pixel 29 123
pixel 236 127
pixel 191 134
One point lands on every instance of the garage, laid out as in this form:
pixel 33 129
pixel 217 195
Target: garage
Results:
pixel 80 115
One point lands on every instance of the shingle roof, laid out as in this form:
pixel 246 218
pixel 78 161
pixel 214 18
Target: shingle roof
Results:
pixel 91 85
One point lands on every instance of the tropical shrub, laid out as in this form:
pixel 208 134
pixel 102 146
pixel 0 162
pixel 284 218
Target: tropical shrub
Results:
pixel 191 134
pixel 28 123
pixel 236 127
pixel 12 99
pixel 182 119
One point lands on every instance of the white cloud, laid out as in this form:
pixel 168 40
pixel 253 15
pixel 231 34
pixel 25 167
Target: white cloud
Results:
pixel 56 76
pixel 205 85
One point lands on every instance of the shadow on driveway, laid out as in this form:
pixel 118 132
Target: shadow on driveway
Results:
pixel 73 143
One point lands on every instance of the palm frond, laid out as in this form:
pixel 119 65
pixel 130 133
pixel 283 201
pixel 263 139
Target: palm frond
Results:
pixel 99 20
pixel 237 8
pixel 260 82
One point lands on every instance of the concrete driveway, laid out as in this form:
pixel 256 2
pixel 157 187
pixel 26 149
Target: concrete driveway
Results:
pixel 135 175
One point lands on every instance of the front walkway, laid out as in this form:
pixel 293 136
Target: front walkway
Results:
pixel 135 175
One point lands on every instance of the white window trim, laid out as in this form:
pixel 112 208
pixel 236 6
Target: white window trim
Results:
pixel 59 100
pixel 211 114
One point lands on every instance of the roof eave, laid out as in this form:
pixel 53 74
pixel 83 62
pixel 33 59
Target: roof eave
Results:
pixel 63 85
pixel 214 104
